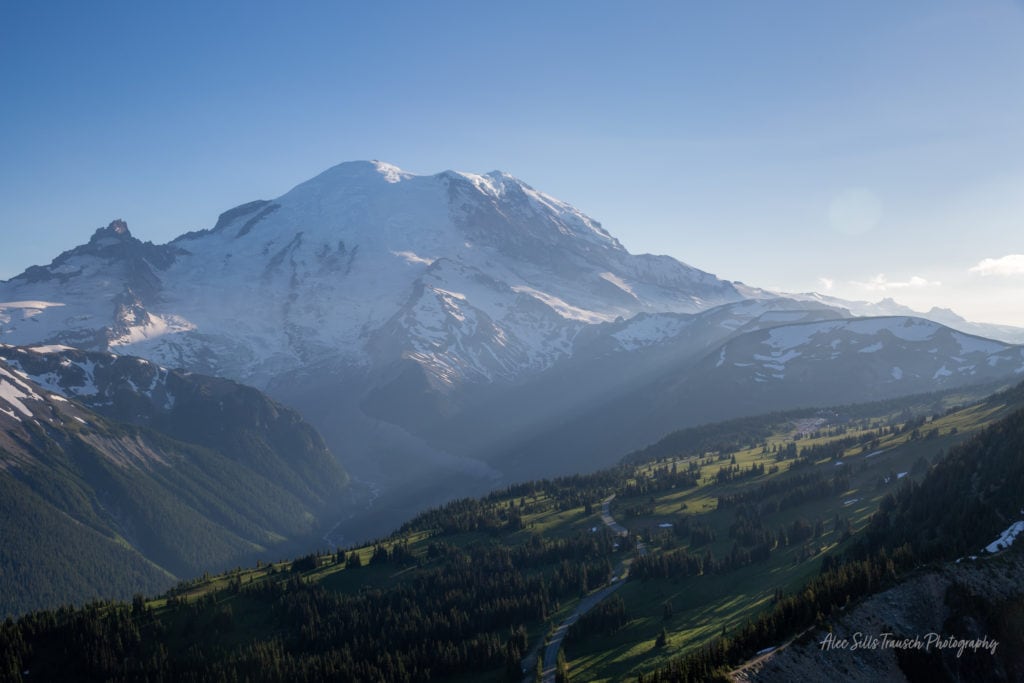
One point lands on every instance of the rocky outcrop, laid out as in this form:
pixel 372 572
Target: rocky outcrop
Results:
pixel 962 622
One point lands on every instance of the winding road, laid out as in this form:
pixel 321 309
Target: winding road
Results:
pixel 585 605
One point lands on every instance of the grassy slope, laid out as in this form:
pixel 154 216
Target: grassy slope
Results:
pixel 703 605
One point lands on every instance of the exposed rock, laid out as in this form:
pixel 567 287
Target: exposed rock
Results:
pixel 915 632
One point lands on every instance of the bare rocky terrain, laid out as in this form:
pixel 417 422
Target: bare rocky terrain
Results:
pixel 968 601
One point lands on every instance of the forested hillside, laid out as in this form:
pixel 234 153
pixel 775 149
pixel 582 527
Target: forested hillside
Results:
pixel 210 476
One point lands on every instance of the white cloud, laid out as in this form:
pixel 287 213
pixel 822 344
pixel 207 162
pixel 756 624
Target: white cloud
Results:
pixel 880 283
pixel 827 282
pixel 1011 264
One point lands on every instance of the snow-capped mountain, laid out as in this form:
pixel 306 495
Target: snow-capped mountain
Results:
pixel 449 332
pixel 372 300
pixel 473 277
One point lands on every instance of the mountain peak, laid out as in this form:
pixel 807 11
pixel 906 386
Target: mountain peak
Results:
pixel 945 315
pixel 373 170
pixel 348 177
pixel 117 230
pixel 390 172
pixel 494 184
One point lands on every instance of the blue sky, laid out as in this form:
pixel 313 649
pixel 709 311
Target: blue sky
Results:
pixel 863 149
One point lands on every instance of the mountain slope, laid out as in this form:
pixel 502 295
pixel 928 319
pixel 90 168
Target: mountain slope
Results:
pixel 235 420
pixel 767 367
pixel 103 508
pixel 867 358
pixel 609 360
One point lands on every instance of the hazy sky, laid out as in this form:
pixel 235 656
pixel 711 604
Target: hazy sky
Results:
pixel 866 149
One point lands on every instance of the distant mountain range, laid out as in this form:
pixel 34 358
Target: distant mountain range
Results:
pixel 944 316
pixel 451 332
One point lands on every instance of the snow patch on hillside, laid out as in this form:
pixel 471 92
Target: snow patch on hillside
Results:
pixel 563 308
pixel 618 282
pixel 13 391
pixel 1006 538
pixel 969 344
pixel 155 327
pixel 49 348
pixel 790 337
